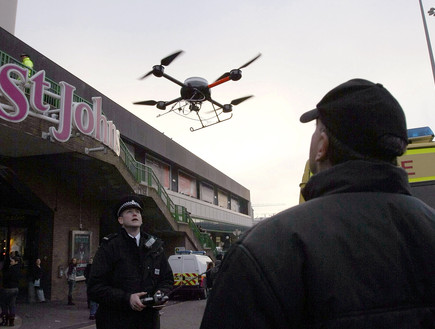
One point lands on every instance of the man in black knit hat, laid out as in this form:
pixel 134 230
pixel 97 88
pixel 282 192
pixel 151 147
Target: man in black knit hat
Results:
pixel 359 253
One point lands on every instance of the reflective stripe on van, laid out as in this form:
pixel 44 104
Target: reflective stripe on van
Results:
pixel 187 279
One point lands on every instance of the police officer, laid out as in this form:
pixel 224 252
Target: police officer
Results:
pixel 129 266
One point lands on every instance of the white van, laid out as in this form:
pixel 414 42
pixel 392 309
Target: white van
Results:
pixel 189 269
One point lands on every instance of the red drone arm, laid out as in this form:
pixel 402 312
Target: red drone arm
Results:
pixel 218 82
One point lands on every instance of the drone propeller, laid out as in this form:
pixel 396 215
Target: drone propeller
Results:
pixel 226 74
pixel 168 60
pixel 164 62
pixel 226 108
pixel 146 103
pixel 240 100
pixel 161 105
pixel 250 62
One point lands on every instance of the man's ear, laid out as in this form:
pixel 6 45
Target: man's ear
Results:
pixel 322 147
pixel 120 220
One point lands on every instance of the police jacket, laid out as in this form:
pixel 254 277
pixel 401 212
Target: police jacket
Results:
pixel 360 253
pixel 121 268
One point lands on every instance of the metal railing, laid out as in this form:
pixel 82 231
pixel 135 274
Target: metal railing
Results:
pixel 54 101
pixel 144 174
pixel 141 172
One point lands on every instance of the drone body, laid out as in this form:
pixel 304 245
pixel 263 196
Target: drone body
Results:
pixel 194 91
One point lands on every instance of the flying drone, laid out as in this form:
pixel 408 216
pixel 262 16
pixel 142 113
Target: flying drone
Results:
pixel 194 91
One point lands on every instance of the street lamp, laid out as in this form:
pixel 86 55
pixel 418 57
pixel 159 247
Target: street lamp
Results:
pixel 431 12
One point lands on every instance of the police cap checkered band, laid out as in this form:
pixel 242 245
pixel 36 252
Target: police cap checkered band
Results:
pixel 128 205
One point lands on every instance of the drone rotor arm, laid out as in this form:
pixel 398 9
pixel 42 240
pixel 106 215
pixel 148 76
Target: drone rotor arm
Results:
pixel 226 74
pixel 174 80
pixel 174 101
pixel 219 81
pixel 215 103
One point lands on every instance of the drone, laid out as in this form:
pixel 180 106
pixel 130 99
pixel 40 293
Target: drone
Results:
pixel 194 91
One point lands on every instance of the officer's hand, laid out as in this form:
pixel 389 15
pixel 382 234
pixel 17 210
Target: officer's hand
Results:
pixel 135 303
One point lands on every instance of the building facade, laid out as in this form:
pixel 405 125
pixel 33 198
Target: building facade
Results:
pixel 67 153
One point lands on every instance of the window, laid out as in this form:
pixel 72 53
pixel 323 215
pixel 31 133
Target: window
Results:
pixel 160 169
pixel 206 193
pixel 222 199
pixel 186 184
pixel 235 205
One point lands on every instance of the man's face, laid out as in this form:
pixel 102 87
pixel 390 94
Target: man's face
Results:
pixel 130 217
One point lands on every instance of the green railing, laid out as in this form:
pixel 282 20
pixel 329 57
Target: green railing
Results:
pixel 54 101
pixel 142 173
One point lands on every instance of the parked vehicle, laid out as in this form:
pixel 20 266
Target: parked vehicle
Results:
pixel 418 161
pixel 189 269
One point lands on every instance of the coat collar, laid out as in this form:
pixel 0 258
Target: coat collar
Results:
pixel 358 176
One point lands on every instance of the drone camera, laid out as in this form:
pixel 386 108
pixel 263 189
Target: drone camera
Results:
pixel 194 107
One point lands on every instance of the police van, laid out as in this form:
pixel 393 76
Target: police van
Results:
pixel 189 269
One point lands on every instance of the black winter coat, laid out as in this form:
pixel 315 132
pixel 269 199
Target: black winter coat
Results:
pixel 12 276
pixel 121 268
pixel 359 254
pixel 37 273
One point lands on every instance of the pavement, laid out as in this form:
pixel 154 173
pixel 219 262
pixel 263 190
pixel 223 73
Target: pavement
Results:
pixel 53 315
pixel 59 315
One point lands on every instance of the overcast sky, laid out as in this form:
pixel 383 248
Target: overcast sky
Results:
pixel 308 47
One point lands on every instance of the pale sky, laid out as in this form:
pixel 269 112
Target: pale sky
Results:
pixel 308 47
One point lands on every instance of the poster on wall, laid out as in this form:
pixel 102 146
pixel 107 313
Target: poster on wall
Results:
pixel 81 250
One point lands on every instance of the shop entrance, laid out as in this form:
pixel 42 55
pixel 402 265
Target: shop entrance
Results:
pixel 17 236
pixel 25 228
pixel 12 241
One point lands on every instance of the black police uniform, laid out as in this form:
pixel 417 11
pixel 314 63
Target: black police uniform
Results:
pixel 121 268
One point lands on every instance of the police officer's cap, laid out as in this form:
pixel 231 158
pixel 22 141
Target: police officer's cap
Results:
pixel 128 202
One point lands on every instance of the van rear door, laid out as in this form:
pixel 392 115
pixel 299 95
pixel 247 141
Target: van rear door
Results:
pixel 176 263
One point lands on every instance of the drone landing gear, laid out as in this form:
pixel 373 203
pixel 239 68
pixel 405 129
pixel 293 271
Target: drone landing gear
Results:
pixel 210 124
